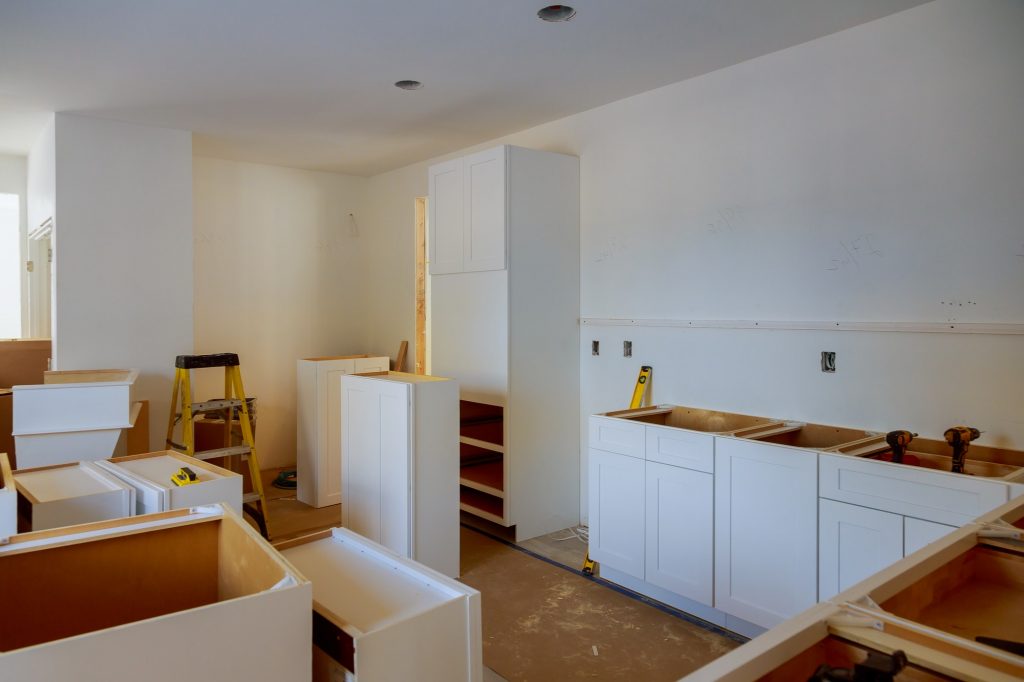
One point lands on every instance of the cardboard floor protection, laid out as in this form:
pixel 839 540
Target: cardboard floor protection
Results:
pixel 542 622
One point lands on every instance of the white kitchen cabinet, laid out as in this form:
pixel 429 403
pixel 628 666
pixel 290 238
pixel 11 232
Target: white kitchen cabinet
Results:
pixel 917 533
pixel 318 436
pixel 382 617
pixel 680 530
pixel 192 594
pixel 854 543
pixel 467 213
pixel 71 494
pixel 617 510
pixel 504 305
pixel 8 500
pixel 401 471
pixel 766 530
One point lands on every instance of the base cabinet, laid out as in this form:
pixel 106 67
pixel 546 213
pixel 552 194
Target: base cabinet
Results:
pixel 318 433
pixel 617 511
pixel 401 467
pixel 680 531
pixel 854 543
pixel 766 530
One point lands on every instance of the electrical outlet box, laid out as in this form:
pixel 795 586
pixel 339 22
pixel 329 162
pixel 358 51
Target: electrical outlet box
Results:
pixel 595 347
pixel 828 361
pixel 627 349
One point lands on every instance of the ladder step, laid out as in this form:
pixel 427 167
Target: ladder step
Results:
pixel 233 451
pixel 216 405
pixel 249 498
pixel 201 361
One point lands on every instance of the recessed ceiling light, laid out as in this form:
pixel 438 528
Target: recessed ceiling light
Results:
pixel 557 13
pixel 408 85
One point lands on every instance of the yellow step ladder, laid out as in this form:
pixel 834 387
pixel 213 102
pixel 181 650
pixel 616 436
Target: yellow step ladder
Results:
pixel 636 401
pixel 255 502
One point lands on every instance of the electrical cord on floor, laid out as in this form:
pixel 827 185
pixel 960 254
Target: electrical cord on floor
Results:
pixel 581 533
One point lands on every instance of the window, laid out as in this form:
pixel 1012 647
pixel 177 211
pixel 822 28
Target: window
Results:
pixel 10 267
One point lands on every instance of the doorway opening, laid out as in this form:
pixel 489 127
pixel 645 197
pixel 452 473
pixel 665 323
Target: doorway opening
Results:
pixel 422 289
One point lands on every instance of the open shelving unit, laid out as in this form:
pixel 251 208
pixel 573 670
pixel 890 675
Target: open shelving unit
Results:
pixel 482 460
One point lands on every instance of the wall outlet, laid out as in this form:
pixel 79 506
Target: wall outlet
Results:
pixel 828 361
pixel 595 347
pixel 627 349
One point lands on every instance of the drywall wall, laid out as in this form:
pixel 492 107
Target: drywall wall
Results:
pixel 278 256
pixel 13 180
pixel 742 193
pixel 123 253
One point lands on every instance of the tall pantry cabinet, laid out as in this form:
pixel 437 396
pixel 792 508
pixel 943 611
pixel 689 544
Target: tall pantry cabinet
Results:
pixel 504 309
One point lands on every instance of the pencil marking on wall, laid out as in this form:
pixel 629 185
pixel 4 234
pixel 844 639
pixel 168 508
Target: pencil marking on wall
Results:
pixel 726 220
pixel 614 246
pixel 853 253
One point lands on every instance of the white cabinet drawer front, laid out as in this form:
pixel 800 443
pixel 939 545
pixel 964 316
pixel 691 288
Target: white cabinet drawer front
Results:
pixel 617 435
pixel 854 543
pixel 918 533
pixel 677 447
pixel 912 491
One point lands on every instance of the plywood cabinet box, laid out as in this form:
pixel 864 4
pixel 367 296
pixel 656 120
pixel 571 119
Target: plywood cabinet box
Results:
pixel 383 617
pixel 400 436
pixel 8 500
pixel 150 476
pixel 72 416
pixel 504 283
pixel 193 594
pixel 318 437
pixel 70 494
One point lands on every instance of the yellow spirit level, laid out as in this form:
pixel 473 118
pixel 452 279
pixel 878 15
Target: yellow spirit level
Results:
pixel 184 476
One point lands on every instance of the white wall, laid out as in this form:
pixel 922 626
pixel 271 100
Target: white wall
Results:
pixel 907 127
pixel 123 253
pixel 278 261
pixel 13 180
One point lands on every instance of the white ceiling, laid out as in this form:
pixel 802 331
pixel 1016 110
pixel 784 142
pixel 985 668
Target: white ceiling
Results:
pixel 308 83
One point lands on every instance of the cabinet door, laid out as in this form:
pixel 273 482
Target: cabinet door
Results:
pixel 766 530
pixel 854 543
pixel 483 177
pixel 918 533
pixel 445 213
pixel 617 511
pixel 680 531
pixel 377 466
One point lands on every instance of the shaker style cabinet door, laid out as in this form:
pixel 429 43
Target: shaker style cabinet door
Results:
pixel 445 211
pixel 855 542
pixel 617 512
pixel 483 177
pixel 766 530
pixel 680 531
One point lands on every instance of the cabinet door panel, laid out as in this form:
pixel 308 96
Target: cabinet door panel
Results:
pixel 445 210
pixel 855 542
pixel 617 435
pixel 362 479
pixel 617 511
pixel 766 530
pixel 680 531
pixel 918 533
pixel 484 205
pixel 328 481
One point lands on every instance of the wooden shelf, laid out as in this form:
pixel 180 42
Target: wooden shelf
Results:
pixel 487 477
pixel 471 454
pixel 481 504
pixel 484 445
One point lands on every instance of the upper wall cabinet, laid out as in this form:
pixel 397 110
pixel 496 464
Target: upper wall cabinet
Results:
pixel 467 213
